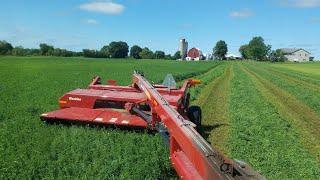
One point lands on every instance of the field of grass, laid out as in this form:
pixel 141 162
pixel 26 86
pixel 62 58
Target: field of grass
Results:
pixel 311 68
pixel 28 148
pixel 265 114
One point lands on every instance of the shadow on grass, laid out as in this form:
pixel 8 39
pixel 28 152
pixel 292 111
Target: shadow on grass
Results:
pixel 206 130
pixel 97 126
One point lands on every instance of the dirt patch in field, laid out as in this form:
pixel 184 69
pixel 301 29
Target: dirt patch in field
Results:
pixel 214 101
pixel 302 117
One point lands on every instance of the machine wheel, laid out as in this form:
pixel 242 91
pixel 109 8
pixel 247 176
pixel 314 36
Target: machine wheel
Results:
pixel 47 122
pixel 194 115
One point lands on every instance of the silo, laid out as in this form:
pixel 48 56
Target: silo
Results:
pixel 183 48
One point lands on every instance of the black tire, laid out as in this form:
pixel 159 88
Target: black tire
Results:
pixel 195 115
pixel 46 122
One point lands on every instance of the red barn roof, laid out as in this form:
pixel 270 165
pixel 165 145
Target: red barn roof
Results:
pixel 194 53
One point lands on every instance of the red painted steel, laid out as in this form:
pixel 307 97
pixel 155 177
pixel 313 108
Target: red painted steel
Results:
pixel 150 106
pixel 96 116
pixel 190 154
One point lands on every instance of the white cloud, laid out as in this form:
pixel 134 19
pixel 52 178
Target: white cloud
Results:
pixel 91 21
pixel 105 7
pixel 300 3
pixel 241 14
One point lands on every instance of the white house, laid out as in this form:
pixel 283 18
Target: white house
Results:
pixel 233 57
pixel 296 54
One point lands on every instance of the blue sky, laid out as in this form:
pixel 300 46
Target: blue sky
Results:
pixel 159 24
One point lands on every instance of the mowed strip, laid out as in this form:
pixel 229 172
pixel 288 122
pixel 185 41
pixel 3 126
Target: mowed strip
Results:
pixel 312 69
pixel 279 69
pixel 303 88
pixel 297 81
pixel 261 137
pixel 298 74
pixel 206 78
pixel 302 117
pixel 214 101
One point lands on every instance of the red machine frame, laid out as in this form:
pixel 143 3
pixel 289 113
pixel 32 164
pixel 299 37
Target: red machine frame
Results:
pixel 156 107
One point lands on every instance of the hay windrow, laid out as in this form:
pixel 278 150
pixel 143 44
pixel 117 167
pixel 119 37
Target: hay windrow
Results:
pixel 214 101
pixel 301 116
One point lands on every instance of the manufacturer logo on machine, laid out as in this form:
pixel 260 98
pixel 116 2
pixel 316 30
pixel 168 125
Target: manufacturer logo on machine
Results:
pixel 74 99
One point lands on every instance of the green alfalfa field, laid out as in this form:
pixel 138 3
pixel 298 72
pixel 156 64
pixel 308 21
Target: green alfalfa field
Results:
pixel 265 114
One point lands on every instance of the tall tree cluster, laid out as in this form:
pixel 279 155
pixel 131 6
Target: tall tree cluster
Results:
pixel 220 50
pixel 5 48
pixel 256 50
pixel 177 55
pixel 146 53
pixel 116 49
pixel 137 52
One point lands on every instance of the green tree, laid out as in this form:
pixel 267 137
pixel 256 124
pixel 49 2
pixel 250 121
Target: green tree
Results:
pixel 169 57
pixel 5 48
pixel 57 52
pixel 277 56
pixel 220 50
pixel 118 49
pixel 177 55
pixel 159 55
pixel 146 53
pixel 135 51
pixel 105 51
pixel 33 52
pixel 244 51
pixel 258 50
pixel 19 51
pixel 91 53
pixel 46 50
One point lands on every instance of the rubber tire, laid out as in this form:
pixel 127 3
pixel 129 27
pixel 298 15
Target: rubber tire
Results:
pixel 195 115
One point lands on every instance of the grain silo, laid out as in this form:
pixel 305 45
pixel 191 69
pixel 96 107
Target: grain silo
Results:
pixel 183 48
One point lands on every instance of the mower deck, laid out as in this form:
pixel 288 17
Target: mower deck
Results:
pixel 164 108
pixel 103 116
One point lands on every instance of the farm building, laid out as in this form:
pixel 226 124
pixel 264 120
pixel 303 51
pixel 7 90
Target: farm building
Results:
pixel 195 54
pixel 208 56
pixel 233 57
pixel 183 48
pixel 296 54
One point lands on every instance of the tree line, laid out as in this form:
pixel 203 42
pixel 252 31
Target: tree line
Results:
pixel 116 49
pixel 256 49
pixel 44 50
pixel 120 49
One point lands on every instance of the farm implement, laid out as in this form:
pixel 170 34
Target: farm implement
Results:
pixel 163 108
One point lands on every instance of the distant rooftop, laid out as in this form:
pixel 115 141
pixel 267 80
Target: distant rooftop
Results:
pixel 291 50
pixel 232 55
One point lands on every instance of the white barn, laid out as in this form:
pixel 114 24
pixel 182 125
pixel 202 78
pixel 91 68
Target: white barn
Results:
pixel 296 55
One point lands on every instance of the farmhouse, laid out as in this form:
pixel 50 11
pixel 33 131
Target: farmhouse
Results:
pixel 233 57
pixel 296 54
